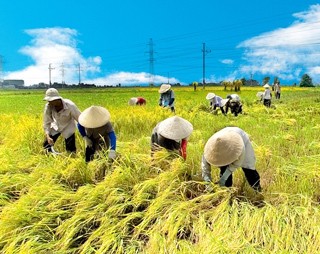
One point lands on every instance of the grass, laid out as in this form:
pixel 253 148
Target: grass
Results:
pixel 141 205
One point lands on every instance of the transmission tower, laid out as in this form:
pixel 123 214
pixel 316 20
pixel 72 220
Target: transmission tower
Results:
pixel 79 73
pixel 204 52
pixel 50 69
pixel 151 62
pixel 62 73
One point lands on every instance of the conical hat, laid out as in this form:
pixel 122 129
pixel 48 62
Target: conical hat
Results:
pixel 223 102
pixel 133 101
pixel 164 88
pixel 175 128
pixel 210 96
pixel 94 117
pixel 266 86
pixel 223 148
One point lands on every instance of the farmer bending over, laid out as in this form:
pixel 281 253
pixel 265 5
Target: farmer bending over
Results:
pixel 166 97
pixel 137 101
pixel 234 104
pixel 97 131
pixel 229 149
pixel 172 134
pixel 59 118
pixel 216 101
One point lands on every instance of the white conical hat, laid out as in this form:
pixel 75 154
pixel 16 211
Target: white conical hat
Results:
pixel 223 148
pixel 175 128
pixel 164 88
pixel 210 96
pixel 94 117
pixel 133 101
pixel 266 86
pixel 223 102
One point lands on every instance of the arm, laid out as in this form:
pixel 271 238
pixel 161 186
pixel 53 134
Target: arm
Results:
pixel 113 140
pixel 160 100
pixel 171 98
pixel 83 133
pixel 75 112
pixel 47 119
pixel 82 130
pixel 227 106
pixel 206 170
pixel 225 176
pixel 183 149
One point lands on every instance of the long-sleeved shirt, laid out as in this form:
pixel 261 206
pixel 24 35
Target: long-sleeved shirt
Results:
pixel 167 99
pixel 246 159
pixel 64 121
pixel 104 132
pixel 267 94
pixel 216 100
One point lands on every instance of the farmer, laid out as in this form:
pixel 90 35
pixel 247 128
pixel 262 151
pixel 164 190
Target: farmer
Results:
pixel 172 134
pixel 260 96
pixel 229 149
pixel 166 97
pixel 216 101
pixel 97 131
pixel 137 101
pixel 234 103
pixel 277 90
pixel 267 95
pixel 59 118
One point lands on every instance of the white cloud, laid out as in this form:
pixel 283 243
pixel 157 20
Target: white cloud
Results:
pixel 227 61
pixel 58 47
pixel 130 78
pixel 286 52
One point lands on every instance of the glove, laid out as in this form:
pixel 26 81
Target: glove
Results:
pixel 87 141
pixel 112 154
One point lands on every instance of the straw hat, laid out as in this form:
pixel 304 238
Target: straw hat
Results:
pixel 164 88
pixel 175 128
pixel 52 94
pixel 210 96
pixel 133 101
pixel 223 148
pixel 266 86
pixel 94 117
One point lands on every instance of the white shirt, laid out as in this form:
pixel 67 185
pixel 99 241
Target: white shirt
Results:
pixel 216 100
pixel 267 94
pixel 63 122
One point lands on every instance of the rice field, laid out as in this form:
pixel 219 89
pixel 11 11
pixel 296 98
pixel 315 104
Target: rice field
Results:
pixel 60 204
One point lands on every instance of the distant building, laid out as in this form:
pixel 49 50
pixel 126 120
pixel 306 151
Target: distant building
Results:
pixel 12 83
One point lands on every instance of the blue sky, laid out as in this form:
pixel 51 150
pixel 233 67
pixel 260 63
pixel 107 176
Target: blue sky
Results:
pixel 108 42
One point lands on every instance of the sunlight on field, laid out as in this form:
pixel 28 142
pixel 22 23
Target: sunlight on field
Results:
pixel 60 204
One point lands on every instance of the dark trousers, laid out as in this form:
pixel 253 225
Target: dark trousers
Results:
pixel 277 95
pixel 70 143
pixel 252 177
pixel 267 102
pixel 221 108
